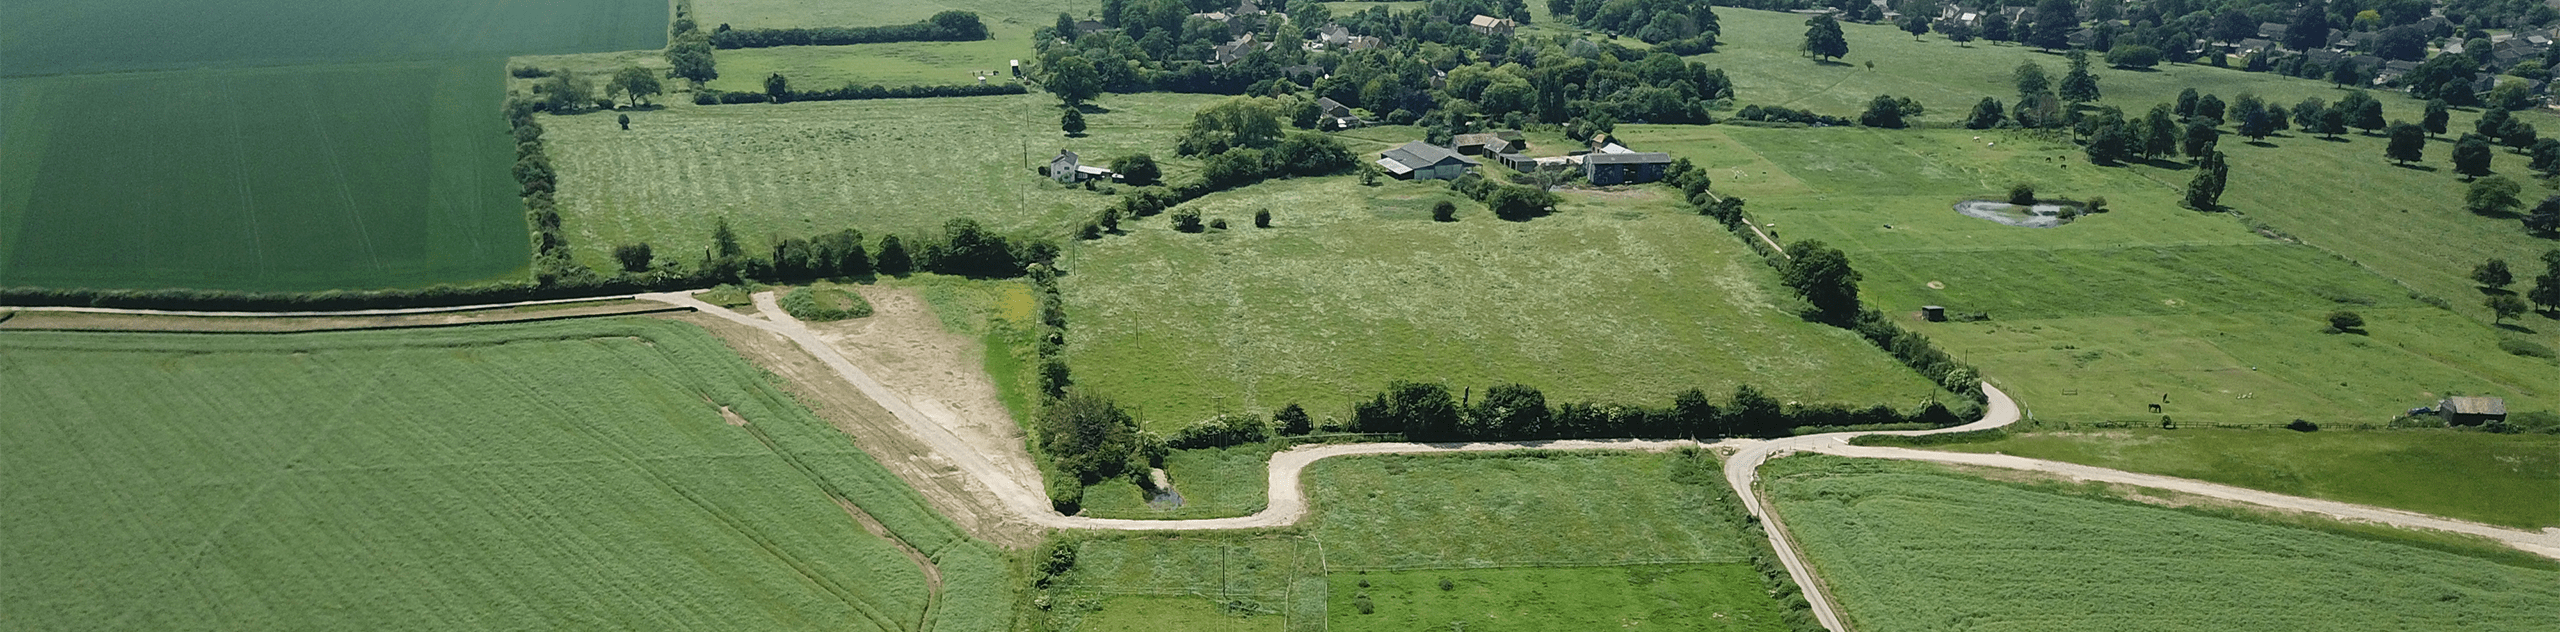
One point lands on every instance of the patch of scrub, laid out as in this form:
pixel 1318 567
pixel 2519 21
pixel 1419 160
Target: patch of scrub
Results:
pixel 2036 216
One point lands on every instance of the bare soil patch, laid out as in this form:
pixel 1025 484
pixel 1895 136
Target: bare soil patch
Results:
pixel 942 374
pixel 943 485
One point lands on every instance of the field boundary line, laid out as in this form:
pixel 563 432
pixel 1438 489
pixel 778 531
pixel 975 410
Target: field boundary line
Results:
pixel 641 311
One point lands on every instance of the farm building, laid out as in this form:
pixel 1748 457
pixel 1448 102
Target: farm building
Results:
pixel 1419 160
pixel 1492 144
pixel 2472 411
pixel 1605 169
pixel 1067 168
pixel 1490 25
pixel 1335 115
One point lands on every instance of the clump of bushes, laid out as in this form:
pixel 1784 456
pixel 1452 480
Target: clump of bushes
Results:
pixel 2022 194
pixel 1782 114
pixel 2342 321
pixel 947 26
pixel 1222 431
pixel 2302 425
pixel 827 305
pixel 852 92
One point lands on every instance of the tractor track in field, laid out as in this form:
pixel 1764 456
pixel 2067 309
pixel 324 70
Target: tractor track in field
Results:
pixel 1287 505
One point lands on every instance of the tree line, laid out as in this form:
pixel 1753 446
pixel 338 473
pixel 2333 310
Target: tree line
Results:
pixel 851 92
pixel 947 26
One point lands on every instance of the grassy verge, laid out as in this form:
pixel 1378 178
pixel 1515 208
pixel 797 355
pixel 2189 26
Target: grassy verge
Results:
pixel 2510 480
pixel 1214 483
pixel 1683 597
pixel 1916 546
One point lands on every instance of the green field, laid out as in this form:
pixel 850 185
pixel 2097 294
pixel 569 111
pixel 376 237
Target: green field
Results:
pixel 1700 597
pixel 1617 298
pixel 2099 318
pixel 568 475
pixel 292 178
pixel 2503 480
pixel 1536 541
pixel 892 64
pixel 50 37
pixel 795 170
pixel 280 145
pixel 1213 482
pixel 1908 546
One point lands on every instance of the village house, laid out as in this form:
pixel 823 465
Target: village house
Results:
pixel 1419 160
pixel 1490 25
pixel 1067 168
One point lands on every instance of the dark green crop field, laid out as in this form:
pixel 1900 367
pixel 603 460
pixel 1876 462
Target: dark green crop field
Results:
pixel 609 474
pixel 281 145
pixel 48 37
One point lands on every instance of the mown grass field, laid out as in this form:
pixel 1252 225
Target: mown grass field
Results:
pixel 1909 546
pixel 899 166
pixel 274 145
pixel 1619 297
pixel 2503 480
pixel 1700 597
pixel 892 64
pixel 2099 318
pixel 582 474
pixel 1541 541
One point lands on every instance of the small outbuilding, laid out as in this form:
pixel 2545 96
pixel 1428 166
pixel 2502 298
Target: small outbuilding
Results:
pixel 1606 169
pixel 1488 144
pixel 1490 25
pixel 1419 160
pixel 2472 411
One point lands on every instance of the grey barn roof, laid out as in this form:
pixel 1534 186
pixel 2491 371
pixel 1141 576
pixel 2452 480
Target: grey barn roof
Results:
pixel 1635 158
pixel 1420 155
pixel 2476 405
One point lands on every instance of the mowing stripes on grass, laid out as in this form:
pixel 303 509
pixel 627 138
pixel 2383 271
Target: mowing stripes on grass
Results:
pixel 1617 298
pixel 1909 546
pixel 557 474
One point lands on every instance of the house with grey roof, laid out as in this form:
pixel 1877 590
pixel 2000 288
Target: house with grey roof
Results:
pixel 1419 160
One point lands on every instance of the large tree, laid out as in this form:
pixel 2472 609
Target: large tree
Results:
pixel 1821 274
pixel 635 83
pixel 2031 79
pixel 2310 27
pixel 1087 436
pixel 2471 155
pixel 1822 38
pixel 2544 219
pixel 2493 274
pixel 690 55
pixel 2055 20
pixel 2078 86
pixel 1986 114
pixel 1074 79
pixel 1995 27
pixel 2492 195
pixel 2437 115
pixel 2408 143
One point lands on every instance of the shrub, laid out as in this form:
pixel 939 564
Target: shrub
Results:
pixel 1221 431
pixel 2343 320
pixel 1444 211
pixel 2022 194
pixel 828 305
pixel 1220 223
pixel 1363 604
pixel 1187 220
pixel 1445 584
pixel 634 257
pixel 1292 420
pixel 2526 348
pixel 2300 425
pixel 1262 218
